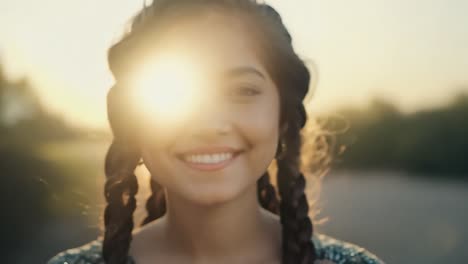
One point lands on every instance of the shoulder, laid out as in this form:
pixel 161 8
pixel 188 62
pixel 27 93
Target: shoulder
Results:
pixel 331 250
pixel 89 253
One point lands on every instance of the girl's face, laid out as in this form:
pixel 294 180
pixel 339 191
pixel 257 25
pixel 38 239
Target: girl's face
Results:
pixel 224 146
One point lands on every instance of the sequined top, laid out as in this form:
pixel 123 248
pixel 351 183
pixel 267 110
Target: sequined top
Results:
pixel 329 251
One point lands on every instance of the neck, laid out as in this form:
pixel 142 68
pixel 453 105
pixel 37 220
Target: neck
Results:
pixel 222 230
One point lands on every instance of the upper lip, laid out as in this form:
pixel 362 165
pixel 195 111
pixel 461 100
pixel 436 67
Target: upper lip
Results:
pixel 210 150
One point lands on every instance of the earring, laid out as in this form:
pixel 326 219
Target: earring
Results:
pixel 281 150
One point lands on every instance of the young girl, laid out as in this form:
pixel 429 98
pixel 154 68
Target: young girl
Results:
pixel 237 89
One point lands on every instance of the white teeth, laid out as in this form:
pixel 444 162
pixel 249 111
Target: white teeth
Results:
pixel 208 158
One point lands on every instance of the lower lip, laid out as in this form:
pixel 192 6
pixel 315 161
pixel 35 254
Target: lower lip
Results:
pixel 211 167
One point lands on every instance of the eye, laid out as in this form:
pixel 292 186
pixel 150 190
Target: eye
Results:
pixel 244 90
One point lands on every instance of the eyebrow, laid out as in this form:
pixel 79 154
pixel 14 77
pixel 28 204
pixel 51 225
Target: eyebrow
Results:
pixel 238 71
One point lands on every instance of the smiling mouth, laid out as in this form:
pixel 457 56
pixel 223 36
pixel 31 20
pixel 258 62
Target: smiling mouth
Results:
pixel 209 162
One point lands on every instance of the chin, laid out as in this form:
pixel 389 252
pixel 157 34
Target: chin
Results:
pixel 214 195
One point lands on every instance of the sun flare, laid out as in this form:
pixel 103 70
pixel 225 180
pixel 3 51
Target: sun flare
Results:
pixel 167 88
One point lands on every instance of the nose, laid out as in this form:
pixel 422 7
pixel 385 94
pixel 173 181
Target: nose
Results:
pixel 212 121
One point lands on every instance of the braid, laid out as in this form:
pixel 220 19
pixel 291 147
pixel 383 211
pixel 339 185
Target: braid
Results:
pixel 156 203
pixel 266 194
pixel 120 189
pixel 294 208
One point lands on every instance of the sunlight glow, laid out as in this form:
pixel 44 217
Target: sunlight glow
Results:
pixel 167 89
pixel 65 55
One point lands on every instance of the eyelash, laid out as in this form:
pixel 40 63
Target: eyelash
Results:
pixel 242 88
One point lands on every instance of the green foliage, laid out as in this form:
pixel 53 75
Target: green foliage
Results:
pixel 430 142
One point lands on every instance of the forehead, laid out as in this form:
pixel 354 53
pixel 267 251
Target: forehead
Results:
pixel 215 40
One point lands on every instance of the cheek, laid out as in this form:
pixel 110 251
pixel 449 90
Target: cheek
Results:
pixel 155 151
pixel 155 162
pixel 261 129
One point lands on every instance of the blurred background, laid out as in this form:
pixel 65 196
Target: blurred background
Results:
pixel 396 71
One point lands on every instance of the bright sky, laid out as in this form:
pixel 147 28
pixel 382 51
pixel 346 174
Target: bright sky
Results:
pixel 413 52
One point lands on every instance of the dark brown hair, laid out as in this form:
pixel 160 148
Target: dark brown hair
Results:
pixel 292 78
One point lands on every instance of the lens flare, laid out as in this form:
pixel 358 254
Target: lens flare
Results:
pixel 167 89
